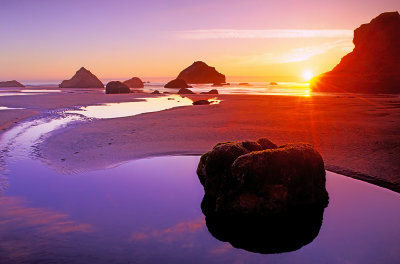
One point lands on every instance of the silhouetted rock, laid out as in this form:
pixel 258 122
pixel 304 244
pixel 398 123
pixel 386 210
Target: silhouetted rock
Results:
pixel 201 102
pixel 12 83
pixel 244 84
pixel 177 83
pixel 185 91
pixel 116 87
pixel 374 64
pixel 82 79
pixel 273 83
pixel 134 82
pixel 155 92
pixel 213 91
pixel 220 84
pixel 200 72
pixel 248 178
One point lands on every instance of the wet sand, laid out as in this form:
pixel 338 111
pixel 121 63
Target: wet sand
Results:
pixel 357 136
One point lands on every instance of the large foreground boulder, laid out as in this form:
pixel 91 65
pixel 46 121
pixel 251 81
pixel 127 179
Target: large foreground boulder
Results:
pixel 374 64
pixel 200 72
pixel 134 82
pixel 177 83
pixel 82 79
pixel 12 83
pixel 116 87
pixel 258 178
pixel 263 198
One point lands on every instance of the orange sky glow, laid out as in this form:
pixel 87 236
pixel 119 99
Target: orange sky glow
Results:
pixel 246 40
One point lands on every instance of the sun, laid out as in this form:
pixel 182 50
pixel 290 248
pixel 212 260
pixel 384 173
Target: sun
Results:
pixel 308 75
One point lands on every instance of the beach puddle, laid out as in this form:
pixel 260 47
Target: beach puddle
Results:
pixel 148 211
pixel 8 108
pixel 41 91
pixel 115 110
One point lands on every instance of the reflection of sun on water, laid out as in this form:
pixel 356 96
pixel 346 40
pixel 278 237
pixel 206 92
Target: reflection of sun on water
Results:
pixel 308 75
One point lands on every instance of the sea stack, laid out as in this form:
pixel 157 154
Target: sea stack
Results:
pixel 200 72
pixel 177 83
pixel 134 82
pixel 82 79
pixel 374 64
pixel 12 83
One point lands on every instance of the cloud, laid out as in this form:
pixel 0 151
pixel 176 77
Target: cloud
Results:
pixel 263 33
pixel 298 54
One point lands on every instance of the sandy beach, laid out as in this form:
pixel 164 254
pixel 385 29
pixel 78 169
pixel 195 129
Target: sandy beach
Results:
pixel 358 136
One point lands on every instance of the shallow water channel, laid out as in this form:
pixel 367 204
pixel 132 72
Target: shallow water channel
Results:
pixel 148 211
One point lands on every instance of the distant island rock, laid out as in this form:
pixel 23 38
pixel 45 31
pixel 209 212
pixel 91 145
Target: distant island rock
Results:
pixel 213 91
pixel 374 64
pixel 134 82
pixel 12 83
pixel 82 79
pixel 201 102
pixel 116 87
pixel 200 72
pixel 177 83
pixel 273 83
pixel 244 84
pixel 185 91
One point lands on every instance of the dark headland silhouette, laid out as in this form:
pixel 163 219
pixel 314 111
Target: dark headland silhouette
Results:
pixel 12 83
pixel 200 72
pixel 374 64
pixel 82 79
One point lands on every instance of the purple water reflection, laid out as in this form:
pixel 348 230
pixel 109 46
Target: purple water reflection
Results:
pixel 148 211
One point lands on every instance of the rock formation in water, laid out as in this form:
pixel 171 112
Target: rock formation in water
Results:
pixel 258 178
pixel 273 83
pixel 12 83
pixel 134 82
pixel 213 91
pixel 201 102
pixel 155 92
pixel 185 91
pixel 177 83
pixel 82 79
pixel 116 87
pixel 263 198
pixel 374 64
pixel 200 72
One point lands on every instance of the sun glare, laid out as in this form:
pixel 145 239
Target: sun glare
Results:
pixel 308 75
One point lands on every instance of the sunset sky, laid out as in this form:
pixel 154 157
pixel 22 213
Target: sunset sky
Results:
pixel 48 40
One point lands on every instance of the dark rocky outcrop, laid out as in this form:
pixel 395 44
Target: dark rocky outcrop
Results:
pixel 374 64
pixel 257 178
pixel 12 83
pixel 116 87
pixel 263 198
pixel 200 72
pixel 82 79
pixel 177 83
pixel 213 91
pixel 134 82
pixel 185 91
pixel 155 92
pixel 201 102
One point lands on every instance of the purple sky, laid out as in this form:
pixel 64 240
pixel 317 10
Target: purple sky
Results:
pixel 51 39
